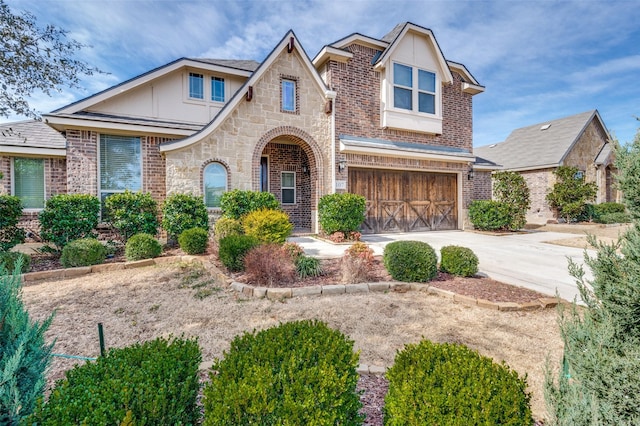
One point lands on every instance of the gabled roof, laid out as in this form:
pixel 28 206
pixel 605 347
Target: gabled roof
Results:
pixel 542 145
pixel 31 137
pixel 289 39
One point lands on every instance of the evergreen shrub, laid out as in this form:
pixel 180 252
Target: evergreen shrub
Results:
pixel 268 226
pixel 69 217
pixel 298 373
pixel 10 211
pixel 410 261
pixel 142 246
pixel 341 212
pixel 150 383
pixel 267 265
pixel 132 213
pixel 488 215
pixel 614 218
pixel 183 211
pixel 450 384
pixel 233 248
pixel 238 203
pixel 194 240
pixel 83 252
pixel 570 192
pixel 460 261
pixel 226 226
pixel 511 188
pixel 11 259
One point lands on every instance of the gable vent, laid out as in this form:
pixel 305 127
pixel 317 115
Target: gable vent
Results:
pixel 545 126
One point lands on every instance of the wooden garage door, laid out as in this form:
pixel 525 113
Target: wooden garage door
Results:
pixel 401 201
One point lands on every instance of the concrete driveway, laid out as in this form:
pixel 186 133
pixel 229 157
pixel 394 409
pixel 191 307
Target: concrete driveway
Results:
pixel 521 259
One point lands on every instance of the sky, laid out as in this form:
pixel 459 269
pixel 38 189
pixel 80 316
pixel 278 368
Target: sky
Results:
pixel 539 60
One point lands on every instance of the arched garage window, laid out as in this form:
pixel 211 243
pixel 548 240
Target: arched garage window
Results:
pixel 215 184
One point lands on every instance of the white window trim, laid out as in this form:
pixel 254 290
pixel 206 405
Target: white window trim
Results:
pixel 415 91
pixel 295 91
pixel 44 186
pixel 98 168
pixel 204 188
pixel 288 187
pixel 204 88
pixel 224 84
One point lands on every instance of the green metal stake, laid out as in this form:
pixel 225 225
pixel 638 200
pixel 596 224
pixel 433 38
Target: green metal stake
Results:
pixel 101 336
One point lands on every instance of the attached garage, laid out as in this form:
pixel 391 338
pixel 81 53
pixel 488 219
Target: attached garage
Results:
pixel 405 201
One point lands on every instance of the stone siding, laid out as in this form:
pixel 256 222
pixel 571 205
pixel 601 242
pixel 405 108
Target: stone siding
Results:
pixel 586 149
pixel 540 183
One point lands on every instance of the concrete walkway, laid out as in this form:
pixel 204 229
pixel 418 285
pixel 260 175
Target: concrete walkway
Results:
pixel 520 259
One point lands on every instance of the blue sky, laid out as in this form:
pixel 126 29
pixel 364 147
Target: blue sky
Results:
pixel 539 60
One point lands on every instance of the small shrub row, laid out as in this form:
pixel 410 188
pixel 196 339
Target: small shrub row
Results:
pixel 69 217
pixel 488 215
pixel 614 218
pixel 142 246
pixel 410 261
pixel 132 213
pixel 83 252
pixel 460 261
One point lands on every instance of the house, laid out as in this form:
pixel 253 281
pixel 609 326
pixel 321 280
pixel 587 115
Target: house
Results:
pixel 387 118
pixel 580 140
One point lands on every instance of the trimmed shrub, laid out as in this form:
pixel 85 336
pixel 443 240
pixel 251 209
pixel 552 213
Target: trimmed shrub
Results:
pixel 450 384
pixel 298 373
pixel 83 252
pixel 307 266
pixel 341 212
pixel 487 215
pixel 603 209
pixel 233 248
pixel 10 211
pixel 614 218
pixel 356 263
pixel 237 203
pixel 194 240
pixel 183 211
pixel 226 226
pixel 69 217
pixel 511 188
pixel 142 246
pixel 150 383
pixel 268 266
pixel 457 260
pixel 11 259
pixel 268 226
pixel 410 261
pixel 132 213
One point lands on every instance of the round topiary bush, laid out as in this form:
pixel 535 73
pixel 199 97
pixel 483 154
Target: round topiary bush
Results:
pixel 233 248
pixel 194 241
pixel 298 373
pixel 450 384
pixel 268 226
pixel 457 260
pixel 142 246
pixel 410 261
pixel 83 252
pixel 10 259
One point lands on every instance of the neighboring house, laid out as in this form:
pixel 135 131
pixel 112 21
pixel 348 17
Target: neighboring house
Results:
pixel 388 118
pixel 581 141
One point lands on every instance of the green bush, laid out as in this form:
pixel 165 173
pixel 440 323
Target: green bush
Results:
pixel 83 252
pixel 614 218
pixel 457 260
pixel 10 211
pixel 410 261
pixel 151 383
pixel 11 259
pixel 511 188
pixel 298 373
pixel 341 212
pixel 142 246
pixel 238 203
pixel 132 213
pixel 450 384
pixel 307 266
pixel 487 215
pixel 570 192
pixel 602 209
pixel 226 226
pixel 69 217
pixel 233 248
pixel 268 226
pixel 183 211
pixel 194 241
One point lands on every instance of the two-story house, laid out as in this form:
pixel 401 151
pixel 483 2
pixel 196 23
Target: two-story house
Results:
pixel 388 118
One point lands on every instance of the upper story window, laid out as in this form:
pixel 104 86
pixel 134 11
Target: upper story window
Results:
pixel 196 86
pixel 120 164
pixel 28 182
pixel 215 184
pixel 288 95
pixel 407 95
pixel 217 89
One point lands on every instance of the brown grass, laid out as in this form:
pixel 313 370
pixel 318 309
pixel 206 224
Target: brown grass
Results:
pixel 140 304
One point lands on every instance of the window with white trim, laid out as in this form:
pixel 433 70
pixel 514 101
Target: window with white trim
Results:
pixel 407 95
pixel 288 187
pixel 215 183
pixel 28 182
pixel 120 164
pixel 217 89
pixel 196 85
pixel 288 95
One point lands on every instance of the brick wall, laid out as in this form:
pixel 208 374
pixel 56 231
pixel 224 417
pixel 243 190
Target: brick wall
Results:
pixel 5 168
pixel 482 185
pixel 82 162
pixel 539 183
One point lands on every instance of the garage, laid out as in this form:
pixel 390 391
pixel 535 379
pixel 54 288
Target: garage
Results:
pixel 406 201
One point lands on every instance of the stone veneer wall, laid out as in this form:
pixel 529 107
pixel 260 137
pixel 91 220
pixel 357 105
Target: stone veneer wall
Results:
pixel 585 151
pixel 539 183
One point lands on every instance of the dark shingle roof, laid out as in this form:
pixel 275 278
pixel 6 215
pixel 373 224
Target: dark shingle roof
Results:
pixel 391 35
pixel 241 64
pixel 30 133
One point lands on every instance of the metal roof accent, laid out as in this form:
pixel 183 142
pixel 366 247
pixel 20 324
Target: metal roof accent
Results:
pixel 382 147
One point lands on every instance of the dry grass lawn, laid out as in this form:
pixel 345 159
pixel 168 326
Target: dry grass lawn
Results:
pixel 603 233
pixel 140 304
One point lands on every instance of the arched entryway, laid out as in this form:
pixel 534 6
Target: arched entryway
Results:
pixel 287 163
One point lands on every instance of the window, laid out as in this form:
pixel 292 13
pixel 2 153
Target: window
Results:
pixel 406 95
pixel 288 187
pixel 217 89
pixel 28 182
pixel 215 184
pixel 120 164
pixel 288 95
pixel 196 86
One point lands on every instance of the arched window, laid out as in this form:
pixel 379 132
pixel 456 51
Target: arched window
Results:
pixel 215 183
